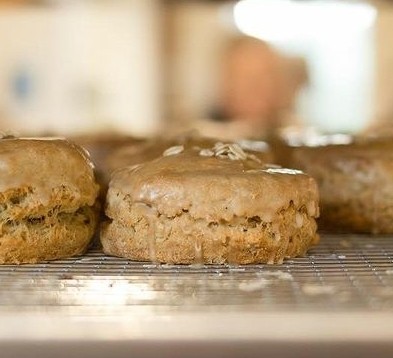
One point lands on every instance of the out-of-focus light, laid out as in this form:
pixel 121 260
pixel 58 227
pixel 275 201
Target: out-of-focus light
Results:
pixel 106 292
pixel 283 20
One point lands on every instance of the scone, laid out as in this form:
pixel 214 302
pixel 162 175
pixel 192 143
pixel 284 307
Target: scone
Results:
pixel 355 182
pixel 101 147
pixel 47 198
pixel 210 205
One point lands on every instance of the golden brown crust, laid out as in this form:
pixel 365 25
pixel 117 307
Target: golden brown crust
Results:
pixel 47 200
pixel 237 210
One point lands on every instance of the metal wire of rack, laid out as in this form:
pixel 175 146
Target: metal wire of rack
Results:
pixel 343 273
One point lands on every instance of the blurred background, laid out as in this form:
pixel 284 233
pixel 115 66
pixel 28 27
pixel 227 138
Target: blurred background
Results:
pixel 148 67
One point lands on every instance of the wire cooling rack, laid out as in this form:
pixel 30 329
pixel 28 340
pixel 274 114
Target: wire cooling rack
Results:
pixel 343 273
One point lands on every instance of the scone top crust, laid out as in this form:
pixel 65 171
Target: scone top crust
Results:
pixel 143 152
pixel 347 145
pixel 353 158
pixel 212 184
pixel 344 146
pixel 42 164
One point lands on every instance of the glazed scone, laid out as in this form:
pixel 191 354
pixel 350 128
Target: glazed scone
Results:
pixel 210 205
pixel 355 182
pixel 47 200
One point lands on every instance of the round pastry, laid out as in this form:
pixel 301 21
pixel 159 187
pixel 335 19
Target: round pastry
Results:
pixel 47 198
pixel 209 205
pixel 355 182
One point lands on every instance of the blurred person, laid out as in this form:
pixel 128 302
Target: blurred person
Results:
pixel 257 86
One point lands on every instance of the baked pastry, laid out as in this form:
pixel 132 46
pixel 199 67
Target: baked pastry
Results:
pixel 355 182
pixel 47 198
pixel 209 205
pixel 100 148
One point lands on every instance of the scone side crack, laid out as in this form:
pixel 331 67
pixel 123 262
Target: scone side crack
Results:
pixel 22 207
pixel 82 215
pixel 146 223
pixel 151 211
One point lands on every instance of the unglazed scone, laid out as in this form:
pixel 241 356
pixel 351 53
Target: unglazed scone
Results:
pixel 47 199
pixel 101 147
pixel 355 182
pixel 210 205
